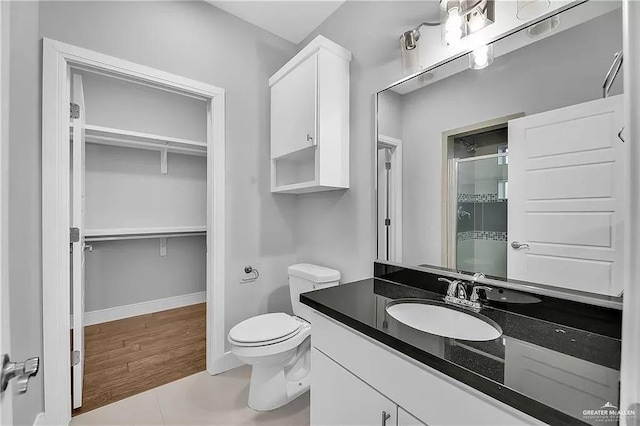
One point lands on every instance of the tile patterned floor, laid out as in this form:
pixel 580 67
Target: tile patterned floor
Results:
pixel 200 399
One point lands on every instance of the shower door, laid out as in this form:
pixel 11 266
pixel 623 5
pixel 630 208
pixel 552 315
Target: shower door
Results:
pixel 480 214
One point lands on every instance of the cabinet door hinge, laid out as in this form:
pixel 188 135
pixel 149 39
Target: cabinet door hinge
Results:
pixel 75 358
pixel 74 111
pixel 74 235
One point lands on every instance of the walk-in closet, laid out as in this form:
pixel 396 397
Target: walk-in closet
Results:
pixel 138 196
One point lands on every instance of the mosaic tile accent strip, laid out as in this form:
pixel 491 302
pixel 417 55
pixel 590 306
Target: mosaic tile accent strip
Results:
pixel 482 235
pixel 479 198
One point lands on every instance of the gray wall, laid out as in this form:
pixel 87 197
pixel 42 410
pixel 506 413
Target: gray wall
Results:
pixel 192 39
pixel 127 272
pixel 390 114
pixel 337 228
pixel 549 74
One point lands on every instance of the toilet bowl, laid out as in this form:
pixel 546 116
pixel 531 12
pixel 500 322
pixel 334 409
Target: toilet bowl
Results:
pixel 278 345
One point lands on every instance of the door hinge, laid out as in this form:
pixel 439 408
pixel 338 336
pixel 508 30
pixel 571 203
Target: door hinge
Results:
pixel 387 166
pixel 387 222
pixel 74 235
pixel 75 358
pixel 74 111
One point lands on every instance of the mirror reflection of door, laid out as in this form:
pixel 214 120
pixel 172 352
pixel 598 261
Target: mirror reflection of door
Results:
pixel 389 170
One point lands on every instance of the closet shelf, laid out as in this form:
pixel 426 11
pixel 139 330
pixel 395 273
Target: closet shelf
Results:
pixel 130 139
pixel 115 234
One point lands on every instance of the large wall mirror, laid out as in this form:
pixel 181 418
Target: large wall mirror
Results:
pixel 517 170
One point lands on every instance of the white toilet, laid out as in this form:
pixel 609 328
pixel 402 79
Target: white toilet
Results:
pixel 278 345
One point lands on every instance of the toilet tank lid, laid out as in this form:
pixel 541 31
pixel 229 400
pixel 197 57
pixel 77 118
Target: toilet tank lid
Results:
pixel 314 273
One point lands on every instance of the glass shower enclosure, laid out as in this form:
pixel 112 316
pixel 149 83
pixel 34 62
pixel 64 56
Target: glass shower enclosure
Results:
pixel 482 192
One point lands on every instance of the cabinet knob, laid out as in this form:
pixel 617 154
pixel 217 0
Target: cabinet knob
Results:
pixel 310 139
pixel 385 417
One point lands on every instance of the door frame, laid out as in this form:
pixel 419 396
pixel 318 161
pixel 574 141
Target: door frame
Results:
pixel 58 61
pixel 448 180
pixel 395 145
pixel 630 364
pixel 6 399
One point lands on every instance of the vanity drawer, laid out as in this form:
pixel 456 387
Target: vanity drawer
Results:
pixel 430 396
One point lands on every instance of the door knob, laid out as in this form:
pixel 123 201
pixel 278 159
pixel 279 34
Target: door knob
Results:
pixel 517 245
pixel 23 371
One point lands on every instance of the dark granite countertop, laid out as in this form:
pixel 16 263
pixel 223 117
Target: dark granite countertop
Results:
pixel 548 370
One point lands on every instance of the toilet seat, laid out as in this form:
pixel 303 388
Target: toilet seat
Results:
pixel 267 329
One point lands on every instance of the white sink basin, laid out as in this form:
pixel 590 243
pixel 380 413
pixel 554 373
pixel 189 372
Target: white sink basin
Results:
pixel 444 320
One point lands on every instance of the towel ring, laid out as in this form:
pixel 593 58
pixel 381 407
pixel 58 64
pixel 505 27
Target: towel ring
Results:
pixel 250 270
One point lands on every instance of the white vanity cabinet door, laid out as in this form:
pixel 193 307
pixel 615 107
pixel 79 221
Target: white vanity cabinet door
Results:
pixel 338 398
pixel 406 419
pixel 432 397
pixel 558 380
pixel 293 109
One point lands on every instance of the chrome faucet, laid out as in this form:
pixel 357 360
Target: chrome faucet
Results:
pixel 475 297
pixel 457 292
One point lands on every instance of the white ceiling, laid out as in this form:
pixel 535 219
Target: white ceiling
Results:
pixel 292 20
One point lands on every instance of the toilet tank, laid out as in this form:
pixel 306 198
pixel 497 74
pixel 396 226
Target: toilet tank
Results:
pixel 305 277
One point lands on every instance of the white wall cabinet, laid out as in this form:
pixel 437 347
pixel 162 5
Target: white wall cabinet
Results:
pixel 356 378
pixel 310 120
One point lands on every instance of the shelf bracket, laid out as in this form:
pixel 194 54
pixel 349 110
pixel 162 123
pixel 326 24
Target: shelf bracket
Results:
pixel 163 160
pixel 163 246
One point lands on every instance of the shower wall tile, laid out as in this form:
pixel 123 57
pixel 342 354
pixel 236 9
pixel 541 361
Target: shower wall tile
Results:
pixel 495 217
pixel 478 216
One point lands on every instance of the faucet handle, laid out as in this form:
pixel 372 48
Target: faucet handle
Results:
pixel 474 293
pixel 477 276
pixel 453 286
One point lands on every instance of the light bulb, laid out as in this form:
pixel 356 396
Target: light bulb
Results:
pixel 481 55
pixel 454 21
pixel 481 58
pixel 453 26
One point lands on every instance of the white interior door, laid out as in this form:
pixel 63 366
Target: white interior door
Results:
pixel 78 253
pixel 568 174
pixel 6 417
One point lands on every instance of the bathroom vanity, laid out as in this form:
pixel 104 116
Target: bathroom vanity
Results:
pixel 513 177
pixel 369 368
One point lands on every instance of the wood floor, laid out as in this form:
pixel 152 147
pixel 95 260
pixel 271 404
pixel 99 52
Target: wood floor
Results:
pixel 132 355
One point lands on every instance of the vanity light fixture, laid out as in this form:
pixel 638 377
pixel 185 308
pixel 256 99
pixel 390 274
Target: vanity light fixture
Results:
pixel 529 9
pixel 464 17
pixel 410 50
pixel 481 57
pixel 544 28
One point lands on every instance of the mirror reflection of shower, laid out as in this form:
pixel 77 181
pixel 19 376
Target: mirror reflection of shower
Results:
pixel 481 194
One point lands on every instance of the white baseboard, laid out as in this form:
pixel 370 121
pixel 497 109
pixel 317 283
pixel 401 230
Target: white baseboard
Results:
pixel 39 420
pixel 120 312
pixel 228 362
